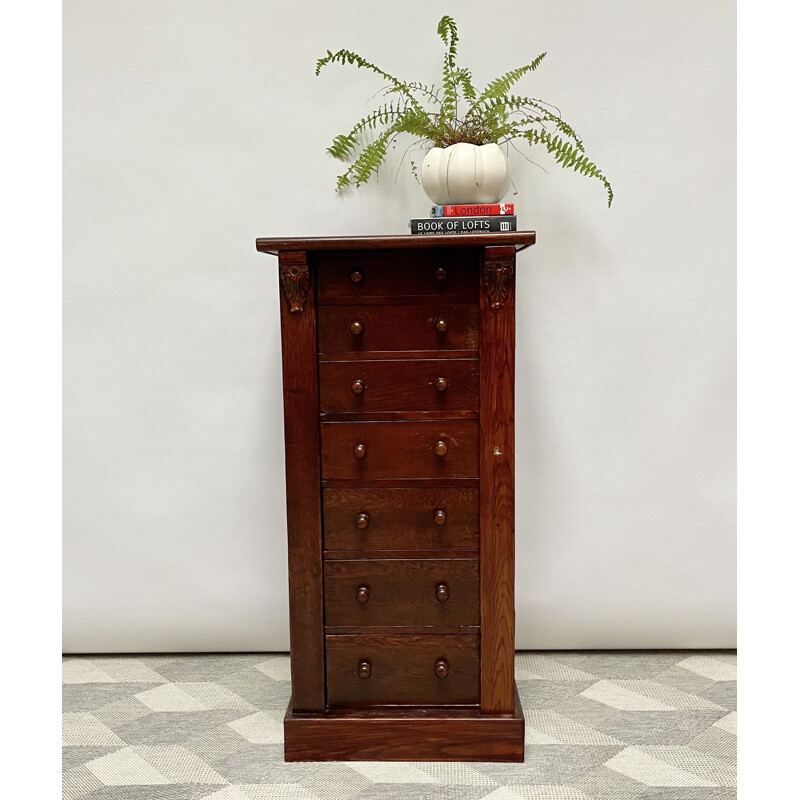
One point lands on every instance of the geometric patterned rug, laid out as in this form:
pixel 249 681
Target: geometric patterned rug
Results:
pixel 616 725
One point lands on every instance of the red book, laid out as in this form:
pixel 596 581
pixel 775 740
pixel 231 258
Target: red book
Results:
pixel 474 210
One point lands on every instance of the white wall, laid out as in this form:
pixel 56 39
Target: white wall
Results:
pixel 193 127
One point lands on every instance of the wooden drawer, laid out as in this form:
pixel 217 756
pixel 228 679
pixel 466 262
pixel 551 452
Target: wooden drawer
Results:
pixel 443 386
pixel 379 670
pixel 400 519
pixel 402 592
pixel 400 449
pixel 381 329
pixel 396 275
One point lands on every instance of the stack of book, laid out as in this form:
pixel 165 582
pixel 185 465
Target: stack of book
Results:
pixel 473 218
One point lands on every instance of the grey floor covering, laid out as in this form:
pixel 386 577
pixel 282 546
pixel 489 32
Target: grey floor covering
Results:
pixel 599 726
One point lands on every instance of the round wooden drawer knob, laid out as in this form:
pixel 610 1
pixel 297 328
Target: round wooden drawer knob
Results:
pixel 441 325
pixel 362 521
pixel 356 328
pixel 440 274
pixel 364 669
pixel 440 449
pixel 360 451
pixel 356 276
pixel 362 594
pixel 442 668
pixel 358 387
pixel 440 384
pixel 440 517
pixel 442 592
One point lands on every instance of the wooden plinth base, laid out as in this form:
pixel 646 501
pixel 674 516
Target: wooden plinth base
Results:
pixel 405 735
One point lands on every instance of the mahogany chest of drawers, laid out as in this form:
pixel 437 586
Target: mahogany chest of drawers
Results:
pixel 398 381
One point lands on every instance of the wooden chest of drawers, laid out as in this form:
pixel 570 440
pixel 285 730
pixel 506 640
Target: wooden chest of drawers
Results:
pixel 398 377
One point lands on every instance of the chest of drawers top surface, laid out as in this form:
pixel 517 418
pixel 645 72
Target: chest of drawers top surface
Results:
pixel 398 404
pixel 275 245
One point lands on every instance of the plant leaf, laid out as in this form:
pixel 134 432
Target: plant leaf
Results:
pixel 500 86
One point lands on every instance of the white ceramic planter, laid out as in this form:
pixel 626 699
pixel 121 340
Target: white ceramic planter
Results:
pixel 465 173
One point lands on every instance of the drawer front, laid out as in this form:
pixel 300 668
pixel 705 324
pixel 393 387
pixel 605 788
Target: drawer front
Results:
pixel 377 670
pixel 400 519
pixel 439 385
pixel 356 278
pixel 399 449
pixel 402 592
pixel 350 330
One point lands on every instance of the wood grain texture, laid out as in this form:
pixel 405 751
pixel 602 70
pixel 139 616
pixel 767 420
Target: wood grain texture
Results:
pixel 397 450
pixel 377 416
pixel 402 670
pixel 400 519
pixel 430 561
pixel 402 592
pixel 399 385
pixel 397 276
pixel 497 481
pixel 395 355
pixel 303 504
pixel 372 554
pixel 406 483
pixel 397 328
pixel 419 630
pixel 517 239
pixel 453 734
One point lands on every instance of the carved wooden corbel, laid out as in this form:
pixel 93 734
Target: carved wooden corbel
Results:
pixel 498 273
pixel 295 280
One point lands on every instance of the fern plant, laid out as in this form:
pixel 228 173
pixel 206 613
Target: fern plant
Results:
pixel 454 112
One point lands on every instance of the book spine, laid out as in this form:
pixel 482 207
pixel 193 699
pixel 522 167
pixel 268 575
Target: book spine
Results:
pixel 474 210
pixel 464 224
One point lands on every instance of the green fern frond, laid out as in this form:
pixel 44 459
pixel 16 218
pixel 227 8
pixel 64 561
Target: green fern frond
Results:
pixel 500 86
pixel 349 57
pixel 545 115
pixel 453 76
pixel 367 163
pixel 427 91
pixel 448 32
pixel 343 146
pixel 507 132
pixel 416 122
pixel 371 158
pixel 509 104
pixel 568 156
pixel 464 78
pixel 561 125
pixel 373 155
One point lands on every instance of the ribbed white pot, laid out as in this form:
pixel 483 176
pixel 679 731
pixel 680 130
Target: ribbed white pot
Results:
pixel 465 173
